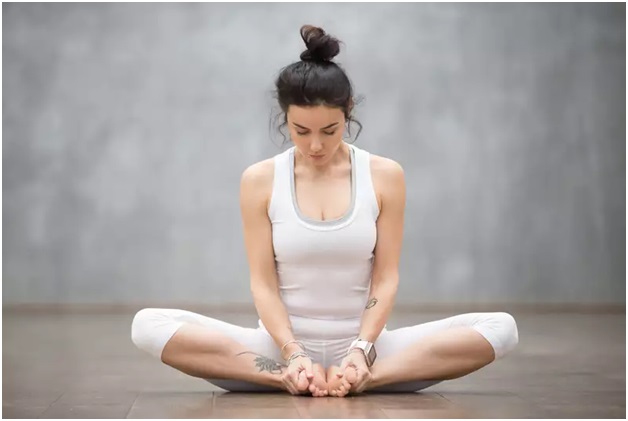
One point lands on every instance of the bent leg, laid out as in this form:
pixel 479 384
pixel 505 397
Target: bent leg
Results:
pixel 415 357
pixel 232 357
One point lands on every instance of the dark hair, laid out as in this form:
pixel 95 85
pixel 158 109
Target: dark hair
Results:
pixel 316 79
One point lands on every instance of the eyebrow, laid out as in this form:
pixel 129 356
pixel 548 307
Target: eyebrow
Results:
pixel 326 127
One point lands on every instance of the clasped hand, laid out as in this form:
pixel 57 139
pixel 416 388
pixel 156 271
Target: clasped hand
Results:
pixel 352 376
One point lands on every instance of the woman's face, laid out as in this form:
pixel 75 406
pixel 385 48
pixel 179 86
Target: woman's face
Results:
pixel 316 131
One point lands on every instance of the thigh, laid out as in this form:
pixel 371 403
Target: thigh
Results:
pixel 153 328
pixel 391 342
pixel 256 339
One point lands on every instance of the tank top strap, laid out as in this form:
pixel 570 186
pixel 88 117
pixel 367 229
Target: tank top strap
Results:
pixel 364 184
pixel 280 197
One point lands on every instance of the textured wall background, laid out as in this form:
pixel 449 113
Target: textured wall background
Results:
pixel 127 126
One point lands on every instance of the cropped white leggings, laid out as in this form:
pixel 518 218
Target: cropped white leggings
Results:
pixel 152 328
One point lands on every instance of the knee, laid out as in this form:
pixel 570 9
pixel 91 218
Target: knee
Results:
pixel 141 327
pixel 509 333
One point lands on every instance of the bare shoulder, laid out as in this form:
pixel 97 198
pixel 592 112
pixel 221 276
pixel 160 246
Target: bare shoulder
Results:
pixel 259 173
pixel 256 182
pixel 385 167
pixel 388 178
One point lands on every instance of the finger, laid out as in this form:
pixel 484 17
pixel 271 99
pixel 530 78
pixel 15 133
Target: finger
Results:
pixel 362 385
pixel 294 377
pixel 294 381
pixel 364 382
pixel 343 371
pixel 290 388
pixel 309 372
pixel 352 376
pixel 302 383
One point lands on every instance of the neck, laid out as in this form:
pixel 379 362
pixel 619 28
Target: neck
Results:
pixel 340 155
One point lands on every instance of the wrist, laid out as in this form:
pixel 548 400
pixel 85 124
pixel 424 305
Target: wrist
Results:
pixel 291 349
pixel 296 355
pixel 356 351
pixel 366 348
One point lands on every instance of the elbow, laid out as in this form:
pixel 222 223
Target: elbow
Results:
pixel 260 290
pixel 386 283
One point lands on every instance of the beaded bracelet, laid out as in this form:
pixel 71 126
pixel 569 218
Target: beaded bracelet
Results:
pixel 290 342
pixel 296 355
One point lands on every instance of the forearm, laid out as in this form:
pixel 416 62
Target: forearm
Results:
pixel 272 312
pixel 379 305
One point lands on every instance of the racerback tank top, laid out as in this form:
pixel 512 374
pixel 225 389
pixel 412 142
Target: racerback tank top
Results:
pixel 324 267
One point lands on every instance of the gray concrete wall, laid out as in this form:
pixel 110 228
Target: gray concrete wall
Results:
pixel 127 126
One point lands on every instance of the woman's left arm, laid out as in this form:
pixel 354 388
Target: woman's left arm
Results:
pixel 389 182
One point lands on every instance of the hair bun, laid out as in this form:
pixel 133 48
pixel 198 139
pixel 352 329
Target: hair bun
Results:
pixel 320 46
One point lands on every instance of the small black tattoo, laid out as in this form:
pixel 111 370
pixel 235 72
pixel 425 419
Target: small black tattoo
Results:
pixel 371 303
pixel 265 363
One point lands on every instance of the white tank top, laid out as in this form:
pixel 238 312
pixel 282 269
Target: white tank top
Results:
pixel 324 267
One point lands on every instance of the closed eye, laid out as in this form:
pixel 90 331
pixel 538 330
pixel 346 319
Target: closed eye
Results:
pixel 327 133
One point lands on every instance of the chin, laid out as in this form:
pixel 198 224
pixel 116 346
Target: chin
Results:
pixel 318 161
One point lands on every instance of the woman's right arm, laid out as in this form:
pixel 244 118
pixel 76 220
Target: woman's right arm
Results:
pixel 255 191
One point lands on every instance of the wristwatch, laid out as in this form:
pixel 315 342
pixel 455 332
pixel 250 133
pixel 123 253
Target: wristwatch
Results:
pixel 368 348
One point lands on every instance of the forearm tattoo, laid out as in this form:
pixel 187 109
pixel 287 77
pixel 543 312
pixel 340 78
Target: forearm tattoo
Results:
pixel 266 364
pixel 371 303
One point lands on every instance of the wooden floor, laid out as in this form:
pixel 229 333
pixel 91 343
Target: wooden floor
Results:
pixel 85 366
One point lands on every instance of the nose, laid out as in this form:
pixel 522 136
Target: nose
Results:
pixel 316 146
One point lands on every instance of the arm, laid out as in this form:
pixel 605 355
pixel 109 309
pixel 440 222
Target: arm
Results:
pixel 255 191
pixel 389 179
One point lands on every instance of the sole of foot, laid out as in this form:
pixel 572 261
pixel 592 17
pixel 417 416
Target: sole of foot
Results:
pixel 340 386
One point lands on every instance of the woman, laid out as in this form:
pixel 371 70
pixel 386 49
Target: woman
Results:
pixel 323 225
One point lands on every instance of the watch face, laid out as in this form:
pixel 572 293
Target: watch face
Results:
pixel 372 354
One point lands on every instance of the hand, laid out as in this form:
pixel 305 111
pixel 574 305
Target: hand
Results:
pixel 298 376
pixel 357 360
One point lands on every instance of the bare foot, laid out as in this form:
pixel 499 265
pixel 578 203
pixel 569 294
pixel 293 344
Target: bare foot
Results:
pixel 340 386
pixel 318 386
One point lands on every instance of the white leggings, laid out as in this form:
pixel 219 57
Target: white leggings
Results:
pixel 152 328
